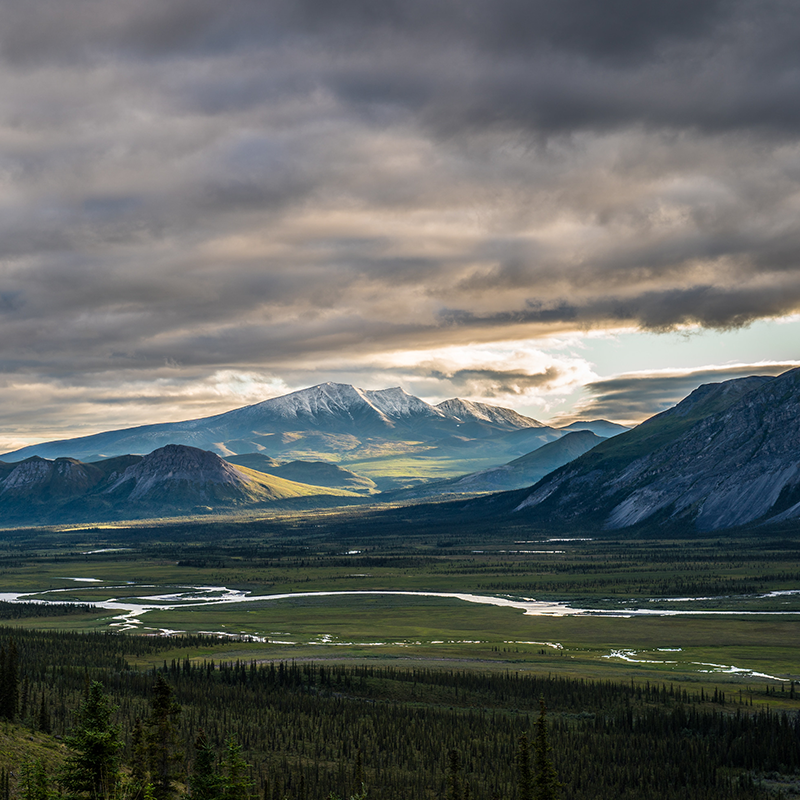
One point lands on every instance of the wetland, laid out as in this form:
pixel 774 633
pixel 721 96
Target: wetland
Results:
pixel 348 586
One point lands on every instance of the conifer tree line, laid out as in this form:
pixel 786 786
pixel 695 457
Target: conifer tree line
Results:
pixel 94 768
pixel 237 730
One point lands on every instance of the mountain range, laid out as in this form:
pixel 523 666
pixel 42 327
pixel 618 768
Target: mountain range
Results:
pixel 387 435
pixel 523 471
pixel 728 455
pixel 333 416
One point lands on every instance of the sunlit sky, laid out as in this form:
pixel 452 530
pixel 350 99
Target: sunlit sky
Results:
pixel 573 209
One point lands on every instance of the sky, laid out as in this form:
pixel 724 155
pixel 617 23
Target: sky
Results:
pixel 573 209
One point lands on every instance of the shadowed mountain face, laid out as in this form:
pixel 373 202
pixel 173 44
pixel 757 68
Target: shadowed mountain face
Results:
pixel 727 455
pixel 174 479
pixel 36 477
pixel 180 474
pixel 518 473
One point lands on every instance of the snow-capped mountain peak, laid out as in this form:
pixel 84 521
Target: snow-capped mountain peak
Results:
pixel 397 402
pixel 322 398
pixel 469 411
pixel 317 405
pixel 309 420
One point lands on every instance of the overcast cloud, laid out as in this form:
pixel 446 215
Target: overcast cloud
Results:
pixel 274 190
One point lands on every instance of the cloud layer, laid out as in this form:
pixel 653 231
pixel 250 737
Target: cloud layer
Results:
pixel 189 188
pixel 633 397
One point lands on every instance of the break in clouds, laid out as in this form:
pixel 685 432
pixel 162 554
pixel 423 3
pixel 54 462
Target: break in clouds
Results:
pixel 291 188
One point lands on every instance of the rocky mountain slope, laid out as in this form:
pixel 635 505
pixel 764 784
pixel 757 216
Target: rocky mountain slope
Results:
pixel 727 455
pixel 174 479
pixel 480 417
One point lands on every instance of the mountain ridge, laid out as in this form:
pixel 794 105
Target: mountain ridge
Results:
pixel 175 479
pixel 725 456
pixel 331 408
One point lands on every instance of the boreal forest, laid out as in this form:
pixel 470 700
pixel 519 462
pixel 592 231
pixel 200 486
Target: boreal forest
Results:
pixel 85 717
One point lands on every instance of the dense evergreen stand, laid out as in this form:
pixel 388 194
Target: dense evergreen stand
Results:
pixel 231 730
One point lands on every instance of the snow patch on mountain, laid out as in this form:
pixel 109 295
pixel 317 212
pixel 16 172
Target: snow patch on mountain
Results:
pixel 324 400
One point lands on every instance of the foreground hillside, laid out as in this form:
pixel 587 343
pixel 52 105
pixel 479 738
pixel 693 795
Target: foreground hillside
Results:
pixel 727 455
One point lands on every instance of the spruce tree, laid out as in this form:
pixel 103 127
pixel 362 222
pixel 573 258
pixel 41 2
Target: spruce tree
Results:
pixel 524 775
pixel 545 780
pixel 92 769
pixel 9 688
pixel 34 784
pixel 360 783
pixel 139 772
pixel 163 749
pixel 236 781
pixel 43 720
pixel 453 781
pixel 205 782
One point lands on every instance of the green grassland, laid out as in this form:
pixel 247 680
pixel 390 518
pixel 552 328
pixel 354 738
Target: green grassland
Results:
pixel 414 467
pixel 356 550
pixel 394 464
pixel 398 464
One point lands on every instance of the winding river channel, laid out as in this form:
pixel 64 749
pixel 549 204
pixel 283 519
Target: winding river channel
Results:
pixel 133 608
pixel 135 601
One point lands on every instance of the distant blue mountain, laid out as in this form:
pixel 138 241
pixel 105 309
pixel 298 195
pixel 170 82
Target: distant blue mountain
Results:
pixel 328 418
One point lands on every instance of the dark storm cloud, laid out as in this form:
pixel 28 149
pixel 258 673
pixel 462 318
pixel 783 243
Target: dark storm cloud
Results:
pixel 253 184
pixel 619 29
pixel 547 67
pixel 714 307
pixel 542 66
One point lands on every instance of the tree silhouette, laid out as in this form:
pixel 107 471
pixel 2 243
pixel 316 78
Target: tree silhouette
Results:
pixel 236 782
pixel 545 779
pixel 453 781
pixel 524 774
pixel 9 680
pixel 162 740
